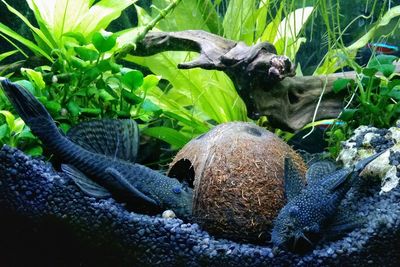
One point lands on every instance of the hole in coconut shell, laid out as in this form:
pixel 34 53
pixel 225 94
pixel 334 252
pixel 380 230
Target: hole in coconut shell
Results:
pixel 253 131
pixel 183 171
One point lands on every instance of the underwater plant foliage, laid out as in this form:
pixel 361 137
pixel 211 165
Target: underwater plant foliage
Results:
pixel 374 100
pixel 80 77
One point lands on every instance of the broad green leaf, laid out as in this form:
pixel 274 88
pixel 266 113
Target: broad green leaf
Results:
pixel 240 19
pixel 86 53
pixel 130 97
pixel 35 77
pixel 133 79
pixel 289 29
pixel 270 32
pixel 4 130
pixel 53 107
pixel 105 96
pixel 347 114
pixel 188 15
pixel 171 136
pixel 104 41
pixel 211 93
pixel 9 119
pixel 341 84
pixel 381 59
pixel 77 36
pixel 73 108
pixel 150 81
pixel 149 106
pixel 7 54
pixel 33 47
pixel 100 15
pixel 18 125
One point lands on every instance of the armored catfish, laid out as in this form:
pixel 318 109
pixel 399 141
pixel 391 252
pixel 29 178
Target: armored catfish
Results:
pixel 99 156
pixel 310 209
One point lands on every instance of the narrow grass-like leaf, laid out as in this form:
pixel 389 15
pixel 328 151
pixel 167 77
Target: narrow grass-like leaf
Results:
pixel 33 47
pixel 333 59
pixel 35 30
pixel 171 136
pixel 7 54
pixel 239 20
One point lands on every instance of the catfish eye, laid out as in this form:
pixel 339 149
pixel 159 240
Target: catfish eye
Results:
pixel 293 211
pixel 176 190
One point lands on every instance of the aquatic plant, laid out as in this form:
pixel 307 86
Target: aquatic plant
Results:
pixel 199 98
pixel 373 100
pixel 79 77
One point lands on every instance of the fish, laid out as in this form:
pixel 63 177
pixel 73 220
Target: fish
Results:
pixel 311 210
pixel 99 156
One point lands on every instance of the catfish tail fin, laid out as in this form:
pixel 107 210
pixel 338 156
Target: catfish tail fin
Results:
pixel 32 112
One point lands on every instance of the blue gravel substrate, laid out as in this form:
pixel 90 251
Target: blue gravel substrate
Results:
pixel 35 200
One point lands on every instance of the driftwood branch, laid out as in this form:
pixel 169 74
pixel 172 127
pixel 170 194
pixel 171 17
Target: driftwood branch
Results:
pixel 263 79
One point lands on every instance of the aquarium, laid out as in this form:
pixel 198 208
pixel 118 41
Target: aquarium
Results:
pixel 199 133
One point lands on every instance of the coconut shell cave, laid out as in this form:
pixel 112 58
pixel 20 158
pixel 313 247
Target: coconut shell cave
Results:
pixel 236 170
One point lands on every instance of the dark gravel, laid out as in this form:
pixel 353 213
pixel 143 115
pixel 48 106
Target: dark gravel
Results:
pixel 46 221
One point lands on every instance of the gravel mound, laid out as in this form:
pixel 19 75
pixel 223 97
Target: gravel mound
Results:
pixel 47 221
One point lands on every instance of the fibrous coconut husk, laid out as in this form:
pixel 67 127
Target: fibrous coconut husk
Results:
pixel 237 171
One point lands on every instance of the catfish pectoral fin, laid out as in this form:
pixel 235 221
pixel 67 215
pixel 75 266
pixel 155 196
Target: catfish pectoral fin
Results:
pixel 84 183
pixel 128 186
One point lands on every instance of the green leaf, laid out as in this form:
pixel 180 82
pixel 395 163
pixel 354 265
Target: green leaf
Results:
pixel 73 108
pixel 130 97
pixel 91 112
pixel 387 69
pixel 35 77
pixel 46 40
pixel 378 60
pixel 210 93
pixel 34 151
pixel 133 79
pixel 104 41
pixel 9 119
pixel 86 53
pixel 65 127
pixel 4 130
pixel 171 136
pixel 7 54
pixel 341 84
pixel 32 46
pixel 149 106
pixel 188 15
pixel 332 60
pixel 18 125
pixel 105 96
pixel 239 19
pixel 27 85
pixel 150 81
pixel 53 107
pixel 369 72
pixel 77 36
pixel 99 16
pixel 347 114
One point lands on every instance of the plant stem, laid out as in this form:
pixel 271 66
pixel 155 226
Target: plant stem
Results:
pixel 161 15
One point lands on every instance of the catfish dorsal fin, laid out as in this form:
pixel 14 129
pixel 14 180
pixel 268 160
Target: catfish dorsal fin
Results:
pixel 293 179
pixel 110 137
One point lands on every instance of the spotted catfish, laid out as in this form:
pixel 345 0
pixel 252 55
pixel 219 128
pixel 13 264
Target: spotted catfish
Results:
pixel 99 156
pixel 311 211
